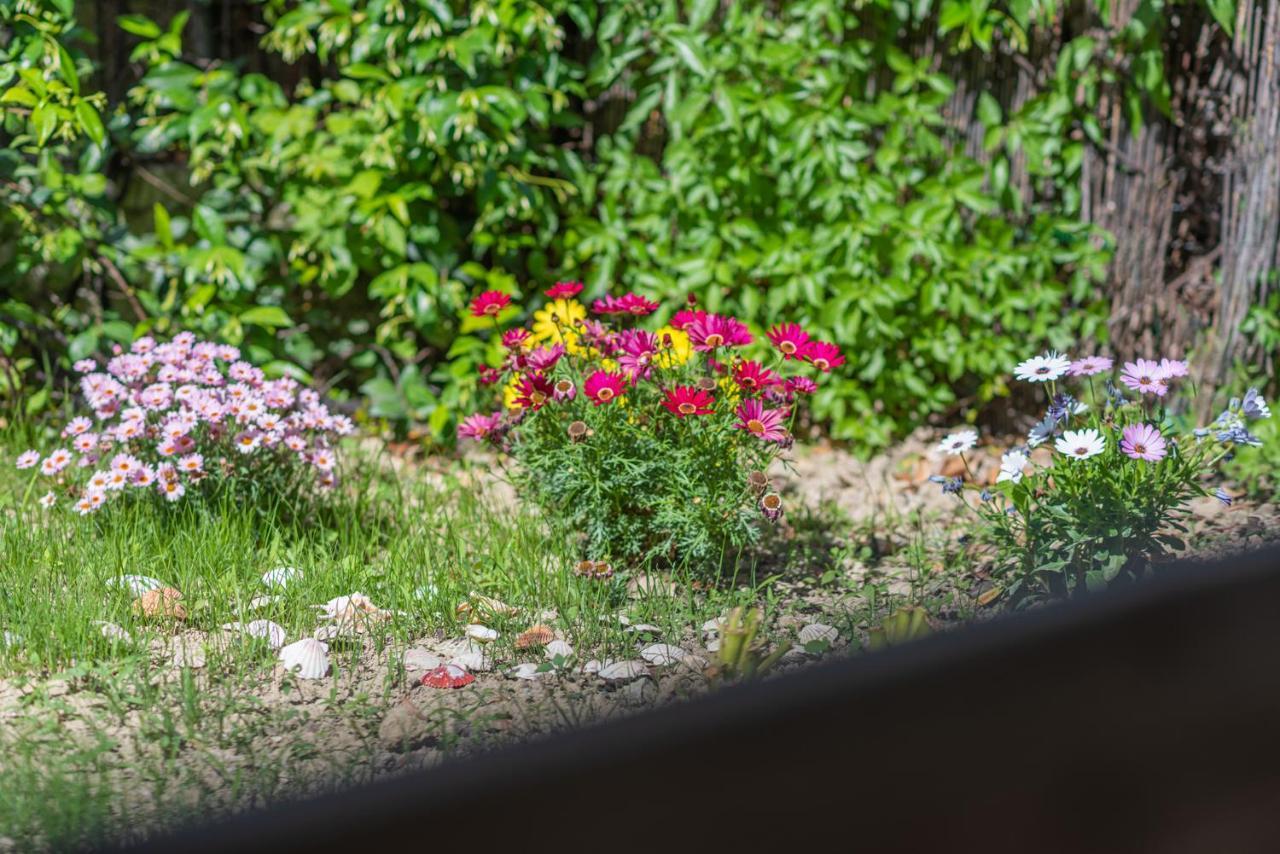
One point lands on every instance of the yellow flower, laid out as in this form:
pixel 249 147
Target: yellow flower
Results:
pixel 730 393
pixel 680 350
pixel 511 391
pixel 556 323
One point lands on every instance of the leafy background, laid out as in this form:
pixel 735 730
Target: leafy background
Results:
pixel 327 183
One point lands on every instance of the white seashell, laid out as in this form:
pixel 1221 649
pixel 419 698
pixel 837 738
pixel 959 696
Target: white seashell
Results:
pixel 112 632
pixel 8 638
pixel 135 584
pixel 281 576
pixel 594 665
pixel 818 632
pixel 473 662
pixel 528 671
pixel 642 629
pixel 273 633
pixel 421 660
pixel 558 647
pixel 713 645
pixel 713 626
pixel 309 658
pixel 484 634
pixel 258 602
pixel 663 654
pixel 623 671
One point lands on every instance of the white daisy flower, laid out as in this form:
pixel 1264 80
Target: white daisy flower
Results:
pixel 1081 444
pixel 1011 466
pixel 958 442
pixel 1042 369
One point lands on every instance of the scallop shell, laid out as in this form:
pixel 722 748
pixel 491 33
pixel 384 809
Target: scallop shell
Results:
pixel 274 634
pixel 162 603
pixel 447 676
pixel 112 632
pixel 308 658
pixel 135 584
pixel 528 671
pixel 663 654
pixel 623 671
pixel 354 612
pixel 817 632
pixel 594 665
pixel 484 634
pixel 420 660
pixel 538 635
pixel 281 576
pixel 558 648
pixel 484 607
pixel 259 602
pixel 475 662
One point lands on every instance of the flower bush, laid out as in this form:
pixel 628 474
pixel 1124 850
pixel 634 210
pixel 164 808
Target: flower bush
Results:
pixel 168 420
pixel 1116 477
pixel 648 443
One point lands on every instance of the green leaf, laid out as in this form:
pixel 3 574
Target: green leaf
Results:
pixel 266 315
pixel 1224 12
pixel 139 25
pixel 90 122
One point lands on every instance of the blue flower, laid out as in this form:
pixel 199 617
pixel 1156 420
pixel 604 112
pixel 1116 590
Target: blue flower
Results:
pixel 985 495
pixel 1041 432
pixel 1238 435
pixel 1223 496
pixel 953 486
pixel 1062 405
pixel 1253 406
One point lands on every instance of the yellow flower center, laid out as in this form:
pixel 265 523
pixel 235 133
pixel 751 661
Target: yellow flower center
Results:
pixel 715 340
pixel 687 408
pixel 821 364
pixel 787 347
pixel 605 394
pixel 755 425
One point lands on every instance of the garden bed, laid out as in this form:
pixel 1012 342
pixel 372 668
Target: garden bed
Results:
pixel 115 738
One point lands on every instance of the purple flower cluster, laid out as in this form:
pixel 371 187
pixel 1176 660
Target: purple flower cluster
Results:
pixel 165 413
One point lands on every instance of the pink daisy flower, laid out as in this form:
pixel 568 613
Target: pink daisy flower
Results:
pixel 478 426
pixel 28 459
pixel 686 317
pixel 512 339
pixel 489 304
pixel 533 391
pixel 564 390
pixel 85 366
pixel 563 290
pixel 800 385
pixel 764 424
pixel 323 459
pixel 55 462
pixel 1145 376
pixel 48 500
pixel 144 476
pixel 823 356
pixel 715 331
pixel 603 387
pixel 246 442
pixel 754 377
pixel 172 490
pixel 1143 442
pixel 76 426
pixel 1089 366
pixel 683 401
pixel 789 339
pixel 85 442
pixel 543 359
pixel 191 464
pixel 1174 368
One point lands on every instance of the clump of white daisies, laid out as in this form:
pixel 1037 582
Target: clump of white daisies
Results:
pixel 1116 480
pixel 168 418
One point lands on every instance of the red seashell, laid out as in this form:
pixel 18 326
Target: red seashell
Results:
pixel 447 676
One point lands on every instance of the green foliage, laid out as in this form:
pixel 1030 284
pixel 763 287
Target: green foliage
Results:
pixel 767 158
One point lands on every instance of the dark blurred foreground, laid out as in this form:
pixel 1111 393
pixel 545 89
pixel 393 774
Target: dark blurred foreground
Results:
pixel 1147 720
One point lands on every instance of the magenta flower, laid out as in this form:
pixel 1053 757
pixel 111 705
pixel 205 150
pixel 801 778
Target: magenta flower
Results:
pixel 686 317
pixel 823 356
pixel 800 385
pixel 564 290
pixel 489 304
pixel 478 426
pixel 754 377
pixel 544 359
pixel 604 387
pixel 513 338
pixel 790 340
pixel 764 424
pixel 684 400
pixel 1143 442
pixel 533 391
pixel 1145 376
pixel 1089 366
pixel 715 331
